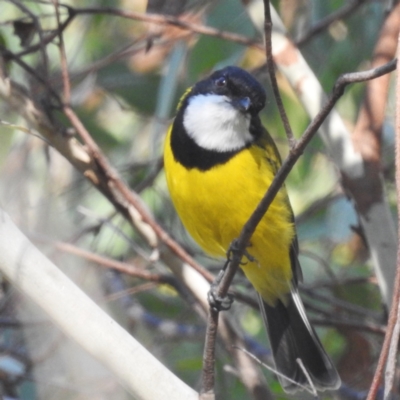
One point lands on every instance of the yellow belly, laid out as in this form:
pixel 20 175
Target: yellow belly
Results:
pixel 214 205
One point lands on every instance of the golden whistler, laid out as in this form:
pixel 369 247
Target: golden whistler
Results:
pixel 219 162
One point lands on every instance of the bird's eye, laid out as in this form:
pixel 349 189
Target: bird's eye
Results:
pixel 221 81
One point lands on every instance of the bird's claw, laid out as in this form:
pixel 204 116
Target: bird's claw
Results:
pixel 233 248
pixel 217 302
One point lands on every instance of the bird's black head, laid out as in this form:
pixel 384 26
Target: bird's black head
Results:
pixel 217 118
pixel 245 92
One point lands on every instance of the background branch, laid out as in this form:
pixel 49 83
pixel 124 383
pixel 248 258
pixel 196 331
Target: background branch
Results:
pixel 391 339
pixel 83 320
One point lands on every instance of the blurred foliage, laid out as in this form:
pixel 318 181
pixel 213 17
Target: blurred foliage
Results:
pixel 118 80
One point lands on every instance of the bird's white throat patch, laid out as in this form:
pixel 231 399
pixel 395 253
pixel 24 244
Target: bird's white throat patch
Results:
pixel 214 124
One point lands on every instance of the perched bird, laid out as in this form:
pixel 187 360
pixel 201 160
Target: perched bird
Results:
pixel 219 161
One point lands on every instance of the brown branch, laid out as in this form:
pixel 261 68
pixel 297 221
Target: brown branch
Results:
pixel 367 327
pixel 390 369
pixel 324 23
pixel 8 55
pixel 108 182
pixel 44 65
pixel 368 130
pixel 116 190
pixel 396 294
pixel 340 305
pixel 63 56
pixel 241 243
pixel 127 51
pixel 152 18
pixel 51 36
pixel 271 71
pixel 122 267
pixel 208 369
pixel 38 29
pixel 175 21
pixel 248 229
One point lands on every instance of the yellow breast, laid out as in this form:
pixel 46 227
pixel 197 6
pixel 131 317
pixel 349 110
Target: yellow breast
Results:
pixel 215 204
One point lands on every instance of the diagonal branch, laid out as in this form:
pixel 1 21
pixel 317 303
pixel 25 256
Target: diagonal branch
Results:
pixel 375 216
pixel 394 312
pixel 294 154
pixel 271 70
pixel 243 240
pixel 175 21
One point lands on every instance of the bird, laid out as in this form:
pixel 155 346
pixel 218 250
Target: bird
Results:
pixel 219 161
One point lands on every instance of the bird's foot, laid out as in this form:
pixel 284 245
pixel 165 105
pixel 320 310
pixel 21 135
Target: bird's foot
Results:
pixel 234 249
pixel 217 302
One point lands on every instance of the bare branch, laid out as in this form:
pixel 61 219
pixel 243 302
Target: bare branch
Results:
pixel 324 23
pixel 38 278
pixel 271 71
pixel 288 163
pixel 394 312
pixel 377 221
pixel 175 21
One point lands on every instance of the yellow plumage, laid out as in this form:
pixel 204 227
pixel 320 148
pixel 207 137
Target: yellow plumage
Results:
pixel 219 161
pixel 215 204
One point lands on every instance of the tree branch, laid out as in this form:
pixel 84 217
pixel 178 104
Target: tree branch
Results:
pixel 80 318
pixel 394 312
pixel 243 240
pixel 271 71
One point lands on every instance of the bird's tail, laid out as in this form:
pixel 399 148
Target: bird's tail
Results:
pixel 292 338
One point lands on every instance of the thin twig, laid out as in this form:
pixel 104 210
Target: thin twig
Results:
pixel 367 327
pixel 392 358
pixel 51 36
pixel 8 55
pixel 343 281
pixel 396 293
pixel 122 267
pixel 42 49
pixel 39 30
pixel 125 52
pixel 23 129
pixel 175 21
pixel 269 368
pixel 307 375
pixel 342 305
pixel 271 71
pixel 324 23
pixel 63 57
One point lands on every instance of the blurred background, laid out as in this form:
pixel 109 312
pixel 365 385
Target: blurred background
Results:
pixel 126 78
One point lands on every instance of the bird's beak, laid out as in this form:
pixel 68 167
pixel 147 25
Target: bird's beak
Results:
pixel 242 104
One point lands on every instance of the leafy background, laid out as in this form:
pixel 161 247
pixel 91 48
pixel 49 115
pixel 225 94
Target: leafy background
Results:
pixel 127 77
